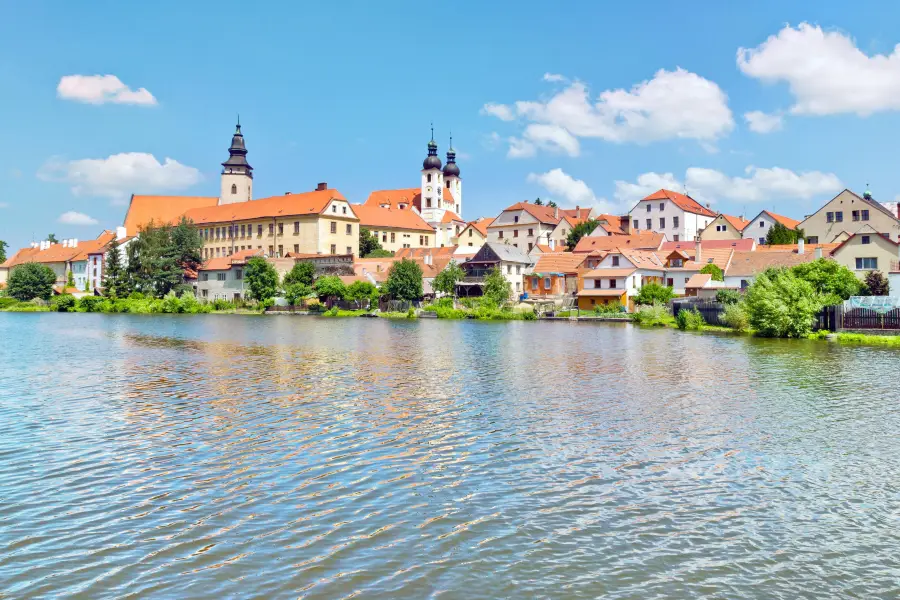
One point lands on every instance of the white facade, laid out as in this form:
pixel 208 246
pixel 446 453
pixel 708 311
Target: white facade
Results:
pixel 664 216
pixel 515 272
pixel 236 186
pixel 454 184
pixel 432 194
pixel 759 227
pixel 225 284
pixel 519 229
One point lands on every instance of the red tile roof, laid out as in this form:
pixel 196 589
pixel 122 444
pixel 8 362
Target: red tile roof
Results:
pixel 57 253
pixel 408 196
pixel 288 205
pixel 419 252
pixel 223 263
pixel 650 241
pixel 743 245
pixel 480 224
pixel 736 222
pixel 161 210
pixel 450 217
pixel 544 214
pixel 685 203
pixel 750 264
pixel 786 221
pixel 559 262
pixel 372 216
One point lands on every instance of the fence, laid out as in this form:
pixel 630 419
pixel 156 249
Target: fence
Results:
pixel 866 318
pixel 711 311
pixel 397 305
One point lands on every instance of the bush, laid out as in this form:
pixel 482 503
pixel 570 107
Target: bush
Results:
pixel 654 293
pixel 653 314
pixel 92 304
pixel 330 286
pixel 295 293
pixel 496 287
pixel 136 296
pixel 736 317
pixel 221 304
pixel 876 284
pixel 610 308
pixel 728 296
pixel 6 302
pixel 331 312
pixel 689 320
pixel 529 315
pixel 31 280
pixel 171 304
pixel 714 270
pixel 63 303
pixel 781 304
pixel 411 313
pixel 829 277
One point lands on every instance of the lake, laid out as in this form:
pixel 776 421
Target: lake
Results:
pixel 287 457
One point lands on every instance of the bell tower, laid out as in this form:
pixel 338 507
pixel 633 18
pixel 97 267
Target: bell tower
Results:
pixel 237 174
pixel 432 181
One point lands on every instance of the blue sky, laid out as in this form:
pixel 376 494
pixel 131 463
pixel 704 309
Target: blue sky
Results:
pixel 613 100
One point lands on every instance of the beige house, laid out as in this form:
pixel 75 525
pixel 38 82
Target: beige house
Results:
pixel 474 234
pixel 523 225
pixel 318 222
pixel 867 251
pixel 724 227
pixel 395 228
pixel 569 218
pixel 845 215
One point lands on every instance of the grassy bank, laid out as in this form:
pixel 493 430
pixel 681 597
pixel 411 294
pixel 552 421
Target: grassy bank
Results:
pixel 134 304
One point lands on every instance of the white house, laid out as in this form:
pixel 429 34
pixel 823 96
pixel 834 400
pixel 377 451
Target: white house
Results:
pixel 619 277
pixel 222 278
pixel 523 225
pixel 678 216
pixel 759 226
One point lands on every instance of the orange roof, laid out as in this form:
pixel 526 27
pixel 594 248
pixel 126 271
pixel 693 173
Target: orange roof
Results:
pixel 650 241
pixel 544 214
pixel 480 225
pixel 614 220
pixel 408 196
pixel 544 248
pixel 685 203
pixel 720 257
pixel 753 263
pixel 576 214
pixel 698 280
pixel 305 203
pixel 786 221
pixel 745 244
pixel 450 216
pixel 161 209
pixel 559 262
pixel 57 253
pixel 223 263
pixel 826 248
pixel 374 216
pixel 736 222
pixel 646 259
pixel 418 252
pixel 623 272
pixel 596 292
pixel 97 246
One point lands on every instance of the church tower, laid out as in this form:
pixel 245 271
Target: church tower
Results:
pixel 237 174
pixel 452 181
pixel 432 181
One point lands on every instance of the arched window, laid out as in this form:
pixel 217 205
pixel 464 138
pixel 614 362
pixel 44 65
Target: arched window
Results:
pixel 234 188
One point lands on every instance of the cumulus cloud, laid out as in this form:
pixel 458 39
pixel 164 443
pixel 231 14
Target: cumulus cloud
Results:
pixel 120 175
pixel 826 72
pixel 76 218
pixel 554 77
pixel 546 137
pixel 569 192
pixel 101 89
pixel 501 111
pixel 672 105
pixel 710 185
pixel 761 122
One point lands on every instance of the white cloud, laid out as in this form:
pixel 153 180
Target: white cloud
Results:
pixel 570 191
pixel 826 72
pixel 501 111
pixel 710 185
pixel 100 89
pixel 120 175
pixel 76 218
pixel 4 205
pixel 554 77
pixel 673 105
pixel 761 122
pixel 546 137
pixel 491 141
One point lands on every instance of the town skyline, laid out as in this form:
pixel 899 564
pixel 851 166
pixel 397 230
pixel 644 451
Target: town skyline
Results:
pixel 741 120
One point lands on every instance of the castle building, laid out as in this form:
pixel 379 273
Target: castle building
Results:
pixel 237 174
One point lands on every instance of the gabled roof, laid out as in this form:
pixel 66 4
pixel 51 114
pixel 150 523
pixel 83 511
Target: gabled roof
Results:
pixel 288 205
pixel 493 251
pixel 450 217
pixel 162 210
pixel 374 216
pixel 826 248
pixel 642 259
pixel 786 221
pixel 685 203
pixel 576 214
pixel 750 264
pixel 720 257
pixel 223 263
pixel 57 253
pixel 650 241
pixel 559 262
pixel 544 214
pixel 872 234
pixel 480 225
pixel 698 280
pixel 738 223
pixel 394 198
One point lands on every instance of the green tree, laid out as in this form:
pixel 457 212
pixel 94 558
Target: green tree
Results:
pixel 445 281
pixel 3 247
pixel 261 278
pixel 877 284
pixel 579 231
pixel 70 279
pixel 726 296
pixel 404 281
pixel 159 256
pixel 361 290
pixel 330 286
pixel 538 202
pixel 52 238
pixel 31 280
pixel 368 243
pixel 551 204
pixel 115 282
pixel 782 304
pixel 714 270
pixel 303 272
pixel 779 234
pixel 496 287
pixel 829 278
pixel 654 293
pixel 295 292
pixel 380 253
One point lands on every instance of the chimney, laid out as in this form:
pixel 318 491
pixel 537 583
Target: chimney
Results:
pixel 800 246
pixel 121 233
pixel 322 186
pixel 65 243
pixel 555 212
pixel 74 242
pixel 818 252
pixel 699 256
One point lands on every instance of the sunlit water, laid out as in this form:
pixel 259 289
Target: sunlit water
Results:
pixel 286 457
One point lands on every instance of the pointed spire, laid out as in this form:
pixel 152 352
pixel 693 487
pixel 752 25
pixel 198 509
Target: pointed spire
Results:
pixel 238 152
pixel 432 161
pixel 451 169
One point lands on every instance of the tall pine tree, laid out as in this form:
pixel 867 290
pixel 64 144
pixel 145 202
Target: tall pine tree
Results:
pixel 115 282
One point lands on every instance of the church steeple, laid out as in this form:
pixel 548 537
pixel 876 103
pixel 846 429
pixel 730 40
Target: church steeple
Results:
pixel 237 159
pixel 237 174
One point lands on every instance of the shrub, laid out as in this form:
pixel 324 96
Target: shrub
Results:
pixel 136 296
pixel 63 303
pixel 652 314
pixel 496 288
pixel 726 296
pixel 449 313
pixel 714 270
pixel 736 317
pixel 303 272
pixel 93 304
pixel 781 304
pixel 295 293
pixel 171 304
pixel 222 304
pixel 689 320
pixel 829 277
pixel 190 304
pixel 330 286
pixel 876 284
pixel 31 280
pixel 610 308
pixel 529 315
pixel 360 292
pixel 654 293
pixel 331 312
pixel 6 302
pixel 411 313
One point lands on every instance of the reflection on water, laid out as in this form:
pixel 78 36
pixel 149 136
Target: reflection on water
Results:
pixel 300 457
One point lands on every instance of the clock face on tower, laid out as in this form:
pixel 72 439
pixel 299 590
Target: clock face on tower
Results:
pixel 428 189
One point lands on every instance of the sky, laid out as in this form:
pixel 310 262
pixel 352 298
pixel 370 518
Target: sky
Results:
pixel 777 106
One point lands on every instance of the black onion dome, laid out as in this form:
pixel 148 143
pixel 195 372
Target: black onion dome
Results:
pixel 237 153
pixel 451 169
pixel 432 161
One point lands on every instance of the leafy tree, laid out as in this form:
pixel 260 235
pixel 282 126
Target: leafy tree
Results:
pixel 115 284
pixel 70 278
pixel 727 297
pixel 445 281
pixel 551 204
pixel 654 293
pixel 380 253
pixel 261 278
pixel 330 286
pixel 52 238
pixel 303 272
pixel 368 243
pixel 736 317
pixel 295 292
pixel 187 244
pixel 31 280
pixel 158 258
pixel 361 290
pixel 714 270
pixel 63 303
pixel 877 284
pixel 3 247
pixel 829 277
pixel 404 281
pixel 780 303
pixel 779 234
pixel 579 231
pixel 538 202
pixel 496 287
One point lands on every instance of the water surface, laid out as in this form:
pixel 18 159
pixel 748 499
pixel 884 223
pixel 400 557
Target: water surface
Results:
pixel 286 457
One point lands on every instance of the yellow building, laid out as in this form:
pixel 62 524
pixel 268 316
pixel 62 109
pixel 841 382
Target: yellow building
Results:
pixel 724 227
pixel 474 234
pixel 395 228
pixel 846 214
pixel 867 251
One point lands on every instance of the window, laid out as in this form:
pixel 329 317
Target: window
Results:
pixel 384 237
pixel 546 283
pixel 349 250
pixel 280 250
pixel 762 223
pixel 530 246
pixel 518 286
pixel 218 251
pixel 865 215
pixel 296 248
pixel 531 233
pixel 349 229
pixel 744 284
pixel 615 261
pixel 393 237
pixel 515 233
pixel 428 177
pixel 516 219
pixel 428 203
pixel 534 283
pixel 259 230
pixel 886 236
pixel 866 239
pixel 426 240
pixel 204 276
pixel 281 229
pixel 271 250
pixel 662 206
pixel 271 229
pixel 220 276
pixel 470 232
pixel 296 227
pixel 500 235
pixel 344 209
pixel 762 240
pixel 334 208
pixel 829 217
pixel 334 227
pixel 518 269
pixel 675 224
pixel 855 215
pixel 670 282
pixel 813 239
pixel 509 269
pixel 677 263
pixel 233 188
pixel 649 208
pixel 838 216
pixel 612 282
pixel 868 264
pixel 334 248
pixel 636 224
pixel 421 240
pixel 204 293
pixel 649 222
pixel 238 274
pixel 662 223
